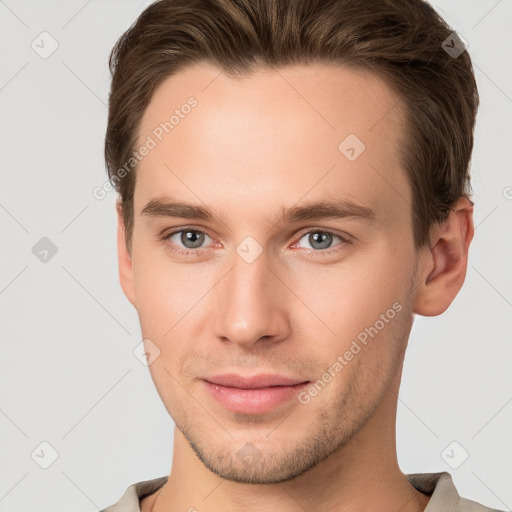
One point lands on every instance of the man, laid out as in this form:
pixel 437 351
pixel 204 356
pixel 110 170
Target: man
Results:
pixel 293 181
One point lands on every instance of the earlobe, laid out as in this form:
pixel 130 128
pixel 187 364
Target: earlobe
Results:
pixel 124 259
pixel 445 270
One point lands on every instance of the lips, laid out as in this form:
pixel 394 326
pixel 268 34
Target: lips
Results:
pixel 266 380
pixel 258 394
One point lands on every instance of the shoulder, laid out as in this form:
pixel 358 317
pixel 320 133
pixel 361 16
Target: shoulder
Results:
pixel 466 505
pixel 130 501
pixel 443 494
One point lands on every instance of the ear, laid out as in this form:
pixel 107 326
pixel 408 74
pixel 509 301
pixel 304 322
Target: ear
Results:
pixel 445 261
pixel 124 258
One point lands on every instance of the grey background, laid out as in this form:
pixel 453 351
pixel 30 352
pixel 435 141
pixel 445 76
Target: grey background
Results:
pixel 68 373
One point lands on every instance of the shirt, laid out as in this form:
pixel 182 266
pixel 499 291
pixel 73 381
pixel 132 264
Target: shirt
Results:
pixel 439 486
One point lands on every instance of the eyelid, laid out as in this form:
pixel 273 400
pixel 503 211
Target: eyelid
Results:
pixel 299 234
pixel 344 237
pixel 166 235
pixel 340 234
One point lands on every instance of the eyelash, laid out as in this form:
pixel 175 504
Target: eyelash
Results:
pixel 193 252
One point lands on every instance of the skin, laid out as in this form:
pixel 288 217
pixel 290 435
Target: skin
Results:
pixel 250 147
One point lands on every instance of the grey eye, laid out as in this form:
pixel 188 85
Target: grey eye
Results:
pixel 319 239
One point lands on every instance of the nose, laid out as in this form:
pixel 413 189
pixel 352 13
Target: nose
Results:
pixel 251 304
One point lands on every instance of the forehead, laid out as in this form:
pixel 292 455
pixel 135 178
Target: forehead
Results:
pixel 274 137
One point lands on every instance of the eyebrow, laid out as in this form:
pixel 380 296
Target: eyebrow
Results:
pixel 317 210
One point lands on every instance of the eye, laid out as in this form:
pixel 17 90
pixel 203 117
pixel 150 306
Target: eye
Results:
pixel 185 241
pixel 320 241
pixel 189 241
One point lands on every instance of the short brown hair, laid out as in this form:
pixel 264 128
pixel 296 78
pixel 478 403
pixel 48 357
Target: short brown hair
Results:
pixel 400 40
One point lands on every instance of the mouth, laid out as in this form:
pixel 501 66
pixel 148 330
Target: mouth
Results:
pixel 253 395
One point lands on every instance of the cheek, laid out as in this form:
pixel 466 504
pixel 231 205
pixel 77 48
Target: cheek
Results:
pixel 165 291
pixel 364 359
pixel 360 315
pixel 174 309
pixel 351 295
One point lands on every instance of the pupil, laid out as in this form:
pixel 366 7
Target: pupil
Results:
pixel 194 237
pixel 323 238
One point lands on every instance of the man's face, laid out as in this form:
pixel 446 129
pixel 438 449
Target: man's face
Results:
pixel 257 294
